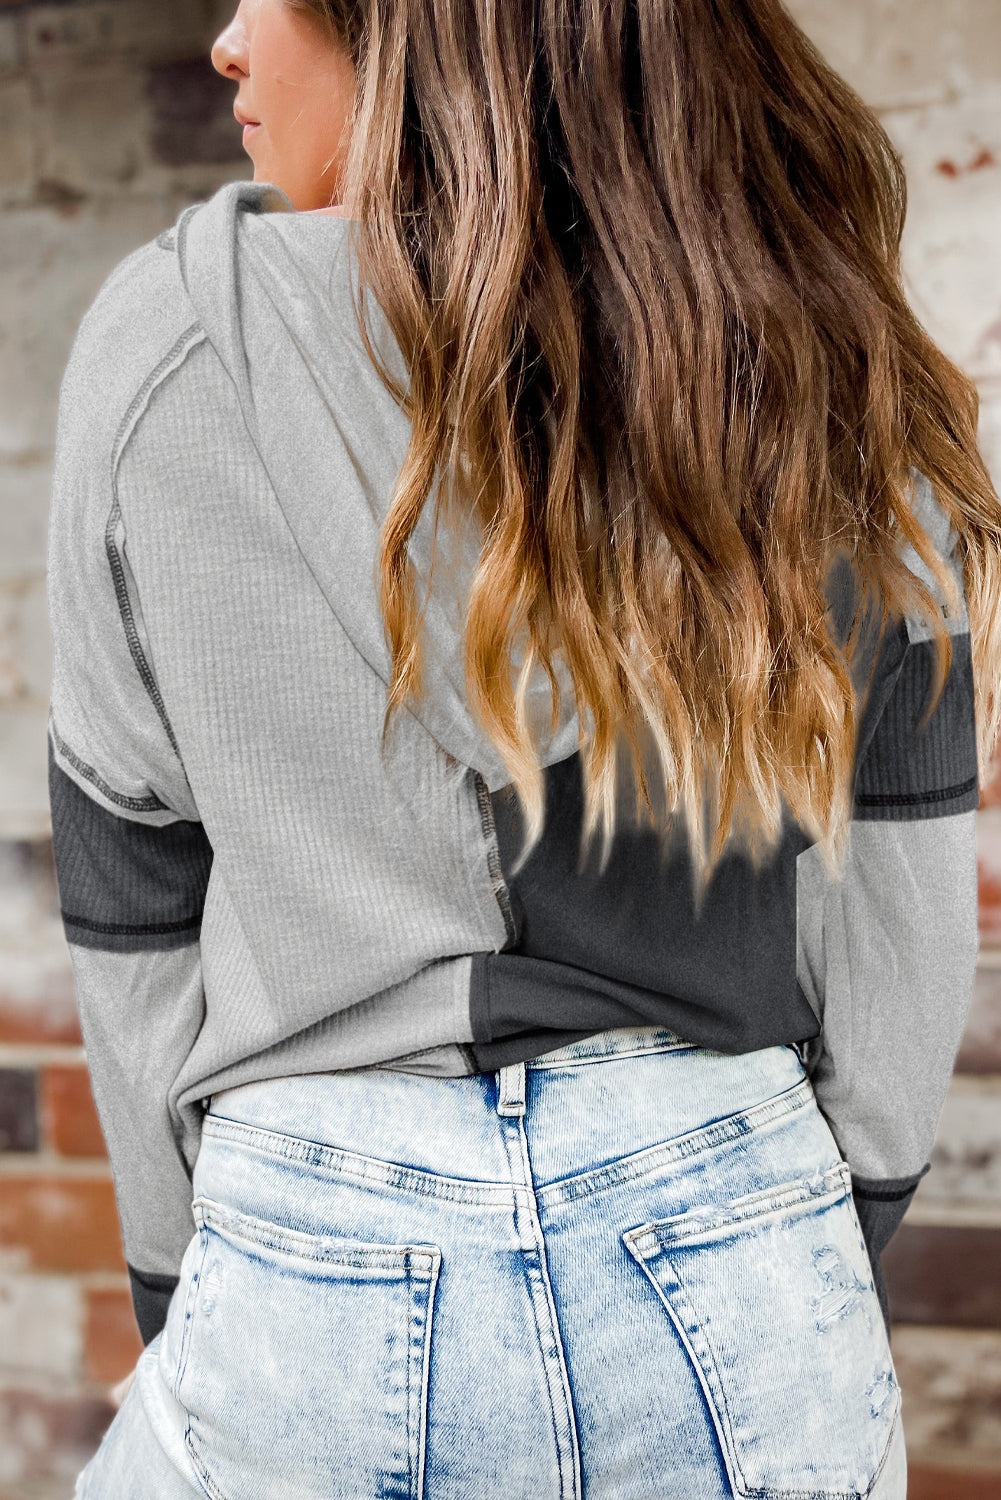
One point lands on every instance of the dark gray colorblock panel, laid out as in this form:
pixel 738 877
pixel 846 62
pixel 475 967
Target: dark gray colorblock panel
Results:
pixel 125 885
pixel 910 772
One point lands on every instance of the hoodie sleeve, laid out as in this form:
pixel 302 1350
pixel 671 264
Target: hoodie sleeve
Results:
pixel 888 955
pixel 132 857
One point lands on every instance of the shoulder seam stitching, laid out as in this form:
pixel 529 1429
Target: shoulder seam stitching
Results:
pixel 182 345
pixel 151 803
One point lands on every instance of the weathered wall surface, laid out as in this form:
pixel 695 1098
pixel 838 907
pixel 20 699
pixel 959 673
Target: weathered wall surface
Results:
pixel 933 70
pixel 111 120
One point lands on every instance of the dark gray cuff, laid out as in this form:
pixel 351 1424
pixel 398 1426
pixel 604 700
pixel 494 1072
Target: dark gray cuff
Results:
pixel 881 1203
pixel 151 1294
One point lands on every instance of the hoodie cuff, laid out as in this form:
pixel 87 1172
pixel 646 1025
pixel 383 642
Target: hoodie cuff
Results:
pixel 151 1294
pixel 881 1203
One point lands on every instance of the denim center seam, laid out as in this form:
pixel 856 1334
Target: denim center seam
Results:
pixel 512 1109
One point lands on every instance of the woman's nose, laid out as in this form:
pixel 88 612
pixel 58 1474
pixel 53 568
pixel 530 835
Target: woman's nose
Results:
pixel 229 50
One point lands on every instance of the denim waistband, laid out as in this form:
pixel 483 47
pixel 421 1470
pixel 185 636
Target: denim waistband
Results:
pixel 654 1087
pixel 622 1041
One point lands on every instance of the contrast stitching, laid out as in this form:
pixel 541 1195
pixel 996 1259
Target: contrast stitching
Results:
pixel 705 1138
pixel 321 1249
pixel 352 1164
pixel 903 799
pixel 496 873
pixel 151 803
pixel 127 927
pixel 469 1055
pixel 114 557
pixel 885 1197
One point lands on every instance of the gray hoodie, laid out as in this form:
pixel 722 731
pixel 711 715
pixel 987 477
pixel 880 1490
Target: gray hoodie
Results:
pixel 250 890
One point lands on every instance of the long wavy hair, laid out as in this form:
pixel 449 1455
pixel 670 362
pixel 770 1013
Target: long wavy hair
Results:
pixel 642 260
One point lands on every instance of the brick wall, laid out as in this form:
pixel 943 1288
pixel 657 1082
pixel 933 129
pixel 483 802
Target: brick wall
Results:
pixel 111 120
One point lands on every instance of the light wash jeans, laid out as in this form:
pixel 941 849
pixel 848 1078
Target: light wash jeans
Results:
pixel 628 1270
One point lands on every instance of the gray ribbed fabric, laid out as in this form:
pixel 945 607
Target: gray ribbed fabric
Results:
pixel 225 453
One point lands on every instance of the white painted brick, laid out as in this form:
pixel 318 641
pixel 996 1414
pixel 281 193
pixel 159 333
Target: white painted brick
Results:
pixel 966 1160
pixel 25 642
pixel 882 62
pixel 898 53
pixel 16 154
pixel 53 269
pixel 951 1383
pixel 950 250
pixel 990 427
pixel 36 974
pixel 34 640
pixel 47 1433
pixel 40 1325
pixel 981 1047
pixel 24 792
pixel 24 504
pixel 13 683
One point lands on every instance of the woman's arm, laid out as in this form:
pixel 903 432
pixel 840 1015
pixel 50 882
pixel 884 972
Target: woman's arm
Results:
pixel 888 955
pixel 132 858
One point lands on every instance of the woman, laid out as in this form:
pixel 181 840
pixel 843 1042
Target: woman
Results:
pixel 454 1157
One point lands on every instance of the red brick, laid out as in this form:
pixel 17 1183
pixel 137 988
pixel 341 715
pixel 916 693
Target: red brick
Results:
pixel 50 1016
pixel 989 876
pixel 990 796
pixel 18 1116
pixel 69 1115
pixel 50 1437
pixel 980 1051
pixel 944 1275
pixel 61 1223
pixel 924 1483
pixel 112 1342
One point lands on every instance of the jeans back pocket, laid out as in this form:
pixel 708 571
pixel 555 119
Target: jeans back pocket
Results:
pixel 772 1297
pixel 302 1362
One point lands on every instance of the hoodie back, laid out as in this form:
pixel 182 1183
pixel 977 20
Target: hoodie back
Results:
pixel 250 890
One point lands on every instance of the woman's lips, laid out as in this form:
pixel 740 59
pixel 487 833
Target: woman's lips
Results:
pixel 249 129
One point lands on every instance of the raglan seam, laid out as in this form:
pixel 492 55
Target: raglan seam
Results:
pixel 152 803
pixel 494 868
pixel 193 335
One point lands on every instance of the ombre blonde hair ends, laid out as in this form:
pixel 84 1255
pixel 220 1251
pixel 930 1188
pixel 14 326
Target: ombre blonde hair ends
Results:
pixel 642 260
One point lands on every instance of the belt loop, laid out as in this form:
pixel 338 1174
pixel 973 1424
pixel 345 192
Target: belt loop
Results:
pixel 511 1089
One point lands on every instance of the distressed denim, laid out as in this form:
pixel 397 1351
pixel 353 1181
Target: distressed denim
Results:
pixel 630 1269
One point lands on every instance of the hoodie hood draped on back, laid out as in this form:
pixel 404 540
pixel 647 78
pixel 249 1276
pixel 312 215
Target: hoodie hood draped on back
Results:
pixel 274 290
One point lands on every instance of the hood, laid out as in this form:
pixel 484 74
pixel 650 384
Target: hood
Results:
pixel 275 291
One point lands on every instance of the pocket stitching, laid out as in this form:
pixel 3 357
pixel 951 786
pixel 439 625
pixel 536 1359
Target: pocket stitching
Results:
pixel 341 1252
pixel 407 1260
pixel 204 1478
pixel 417 1405
pixel 653 1237
pixel 185 1338
pixel 898 1403
pixel 662 1232
pixel 717 1409
pixel 416 1408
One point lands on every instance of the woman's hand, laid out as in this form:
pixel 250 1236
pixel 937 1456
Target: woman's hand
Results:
pixel 117 1393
